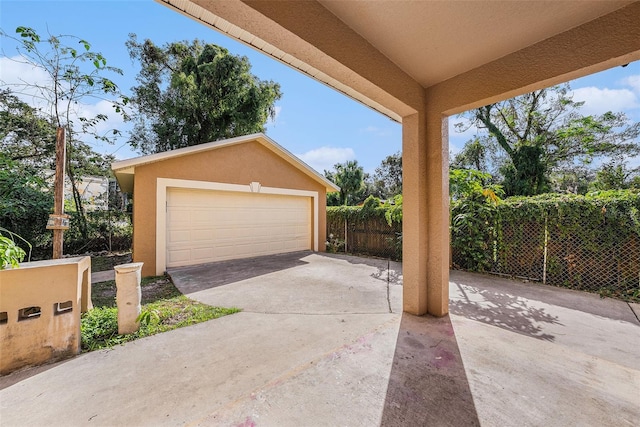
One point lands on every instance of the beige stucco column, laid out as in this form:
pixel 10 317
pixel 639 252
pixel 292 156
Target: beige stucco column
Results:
pixel 425 227
pixel 437 199
pixel 414 214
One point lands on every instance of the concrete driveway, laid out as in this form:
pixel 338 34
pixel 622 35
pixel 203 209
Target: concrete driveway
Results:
pixel 322 342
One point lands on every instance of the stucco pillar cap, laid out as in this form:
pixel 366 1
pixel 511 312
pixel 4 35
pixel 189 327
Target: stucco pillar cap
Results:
pixel 127 268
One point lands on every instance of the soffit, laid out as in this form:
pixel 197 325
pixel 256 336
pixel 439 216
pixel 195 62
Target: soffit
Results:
pixel 380 52
pixel 433 41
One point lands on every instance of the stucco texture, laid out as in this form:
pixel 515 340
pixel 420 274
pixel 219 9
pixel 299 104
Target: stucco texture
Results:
pixel 236 164
pixel 54 334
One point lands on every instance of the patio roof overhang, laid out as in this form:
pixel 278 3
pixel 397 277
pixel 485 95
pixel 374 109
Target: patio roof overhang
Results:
pixel 419 62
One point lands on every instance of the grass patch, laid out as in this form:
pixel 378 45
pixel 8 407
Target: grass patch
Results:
pixel 107 262
pixel 164 308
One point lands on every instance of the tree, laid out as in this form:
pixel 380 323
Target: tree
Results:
pixel 472 156
pixel 28 138
pixel 25 136
pixel 387 180
pixel 25 202
pixel 190 93
pixel 542 133
pixel 75 76
pixel 615 175
pixel 473 203
pixel 349 176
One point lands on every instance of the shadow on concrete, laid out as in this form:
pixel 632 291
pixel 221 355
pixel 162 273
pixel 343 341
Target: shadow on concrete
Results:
pixel 505 311
pixel 388 271
pixel 196 278
pixel 31 371
pixel 428 384
pixel 552 295
pixel 388 274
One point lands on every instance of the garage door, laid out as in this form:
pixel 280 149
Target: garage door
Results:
pixel 206 226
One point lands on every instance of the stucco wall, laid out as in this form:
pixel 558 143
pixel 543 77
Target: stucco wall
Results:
pixel 237 164
pixel 55 332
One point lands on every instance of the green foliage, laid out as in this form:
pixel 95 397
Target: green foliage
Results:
pixel 387 179
pixel 25 135
pixel 393 213
pixel 534 137
pixel 25 203
pixel 190 93
pixel 334 244
pixel 473 205
pixel 373 209
pixel 474 155
pixel 99 326
pixel 75 76
pixel 10 253
pixel 148 317
pixel 526 175
pixel 615 175
pixel 470 183
pixel 102 226
pixel 349 176
pixel 594 239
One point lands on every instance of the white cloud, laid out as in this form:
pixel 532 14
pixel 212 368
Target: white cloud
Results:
pixel 324 158
pixel 633 82
pixel 114 121
pixel 23 78
pixel 599 101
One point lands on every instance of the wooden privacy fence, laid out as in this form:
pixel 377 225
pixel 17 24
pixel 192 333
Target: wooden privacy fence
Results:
pixel 370 236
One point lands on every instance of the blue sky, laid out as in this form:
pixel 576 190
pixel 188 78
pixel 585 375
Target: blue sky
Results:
pixel 315 122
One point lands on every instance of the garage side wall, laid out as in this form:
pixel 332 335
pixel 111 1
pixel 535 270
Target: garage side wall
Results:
pixel 238 164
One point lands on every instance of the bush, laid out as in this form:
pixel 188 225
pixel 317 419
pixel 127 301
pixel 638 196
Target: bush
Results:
pixel 589 242
pixel 10 253
pixel 25 204
pixel 105 231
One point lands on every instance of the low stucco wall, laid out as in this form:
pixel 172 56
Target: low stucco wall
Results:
pixel 59 290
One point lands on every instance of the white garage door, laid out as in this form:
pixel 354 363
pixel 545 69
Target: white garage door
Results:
pixel 205 225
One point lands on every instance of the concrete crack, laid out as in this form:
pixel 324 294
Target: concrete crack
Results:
pixel 634 313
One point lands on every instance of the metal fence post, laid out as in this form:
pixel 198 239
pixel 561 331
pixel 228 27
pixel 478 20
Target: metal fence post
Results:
pixel 546 241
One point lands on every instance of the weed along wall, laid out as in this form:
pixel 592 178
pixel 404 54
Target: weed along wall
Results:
pixel 40 306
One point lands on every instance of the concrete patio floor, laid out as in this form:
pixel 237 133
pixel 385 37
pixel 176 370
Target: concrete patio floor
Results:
pixel 322 342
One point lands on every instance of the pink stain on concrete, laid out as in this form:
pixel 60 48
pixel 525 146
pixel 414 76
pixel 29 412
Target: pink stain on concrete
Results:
pixel 247 423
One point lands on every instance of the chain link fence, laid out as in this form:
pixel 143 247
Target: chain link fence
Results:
pixel 591 249
pixel 577 243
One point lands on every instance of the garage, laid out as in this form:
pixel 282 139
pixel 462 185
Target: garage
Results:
pixel 237 198
pixel 206 226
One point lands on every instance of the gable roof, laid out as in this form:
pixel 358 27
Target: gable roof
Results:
pixel 124 170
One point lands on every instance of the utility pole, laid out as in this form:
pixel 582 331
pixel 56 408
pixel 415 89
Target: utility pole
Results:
pixel 58 221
